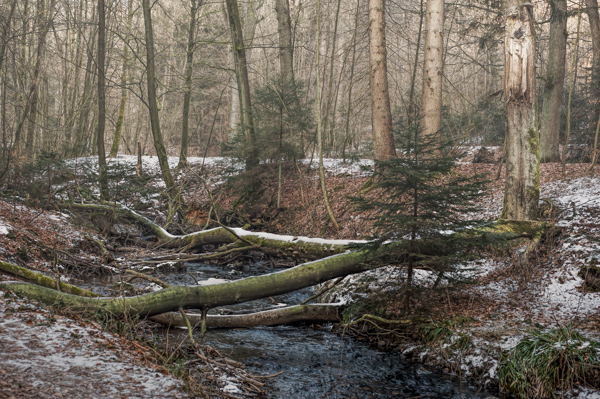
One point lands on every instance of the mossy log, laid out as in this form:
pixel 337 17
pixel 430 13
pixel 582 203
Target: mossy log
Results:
pixel 44 281
pixel 204 297
pixel 275 244
pixel 271 317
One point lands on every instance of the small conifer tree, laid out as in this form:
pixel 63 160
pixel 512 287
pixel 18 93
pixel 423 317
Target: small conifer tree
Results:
pixel 420 201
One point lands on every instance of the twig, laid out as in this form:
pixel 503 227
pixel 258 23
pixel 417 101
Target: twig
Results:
pixel 323 291
pixel 146 277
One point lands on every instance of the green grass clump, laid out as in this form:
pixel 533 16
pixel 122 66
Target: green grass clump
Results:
pixel 548 361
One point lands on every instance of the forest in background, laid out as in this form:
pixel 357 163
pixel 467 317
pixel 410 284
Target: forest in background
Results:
pixel 49 73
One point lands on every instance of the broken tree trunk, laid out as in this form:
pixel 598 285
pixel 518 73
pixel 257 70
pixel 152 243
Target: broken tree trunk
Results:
pixel 271 317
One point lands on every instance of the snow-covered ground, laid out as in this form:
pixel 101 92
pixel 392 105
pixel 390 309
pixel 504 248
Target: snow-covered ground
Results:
pixel 62 357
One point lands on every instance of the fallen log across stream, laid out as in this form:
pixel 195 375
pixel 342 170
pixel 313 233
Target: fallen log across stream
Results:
pixel 271 317
pixel 272 244
pixel 175 298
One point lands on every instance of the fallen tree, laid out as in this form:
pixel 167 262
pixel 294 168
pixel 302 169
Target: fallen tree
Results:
pixel 271 317
pixel 174 298
pixel 273 244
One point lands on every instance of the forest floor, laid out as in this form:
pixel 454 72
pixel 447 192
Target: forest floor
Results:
pixel 507 297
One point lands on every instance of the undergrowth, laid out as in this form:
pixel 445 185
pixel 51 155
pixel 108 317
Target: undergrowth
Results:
pixel 548 361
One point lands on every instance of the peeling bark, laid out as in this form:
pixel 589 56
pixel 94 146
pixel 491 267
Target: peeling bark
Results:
pixel 522 189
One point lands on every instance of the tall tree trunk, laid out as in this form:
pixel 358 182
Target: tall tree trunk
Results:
pixel 241 73
pixel 161 153
pixel 331 69
pixel 286 56
pixel 100 61
pixel 114 149
pixel 4 40
pixel 433 63
pixel 351 82
pixel 410 110
pixel 594 20
pixel 31 128
pixel 522 188
pixel 286 49
pixel 319 123
pixel 553 87
pixel 81 129
pixel 44 27
pixel 187 95
pixel 381 114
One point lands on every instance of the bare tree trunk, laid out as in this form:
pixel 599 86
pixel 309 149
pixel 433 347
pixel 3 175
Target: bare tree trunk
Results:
pixel 234 114
pixel 433 64
pixel 194 4
pixel 331 69
pixel 381 114
pixel 85 99
pixel 594 20
pixel 553 87
pixel 522 188
pixel 410 110
pixel 172 189
pixel 319 123
pixel 4 40
pixel 44 26
pixel 241 73
pixel 100 61
pixel 286 50
pixel 351 82
pixel 114 149
pixel 572 80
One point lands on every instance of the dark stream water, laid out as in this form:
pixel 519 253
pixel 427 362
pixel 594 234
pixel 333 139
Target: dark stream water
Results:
pixel 316 362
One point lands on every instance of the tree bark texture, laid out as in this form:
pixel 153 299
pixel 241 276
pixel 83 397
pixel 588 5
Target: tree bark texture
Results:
pixel 187 89
pixel 286 49
pixel 4 40
pixel 241 73
pixel 161 153
pixel 43 25
pixel 522 188
pixel 101 61
pixel 431 101
pixel 381 114
pixel 121 117
pixel 554 84
pixel 594 20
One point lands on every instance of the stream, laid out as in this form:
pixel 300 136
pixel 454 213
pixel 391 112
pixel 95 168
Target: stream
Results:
pixel 316 362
